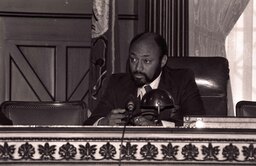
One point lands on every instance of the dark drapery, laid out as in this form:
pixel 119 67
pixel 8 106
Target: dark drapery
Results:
pixel 105 58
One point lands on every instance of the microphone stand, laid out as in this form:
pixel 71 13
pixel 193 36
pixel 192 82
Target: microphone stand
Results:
pixel 122 137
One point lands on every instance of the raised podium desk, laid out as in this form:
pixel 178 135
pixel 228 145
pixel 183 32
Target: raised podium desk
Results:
pixel 83 145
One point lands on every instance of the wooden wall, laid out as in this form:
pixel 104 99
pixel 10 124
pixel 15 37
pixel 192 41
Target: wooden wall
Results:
pixel 45 47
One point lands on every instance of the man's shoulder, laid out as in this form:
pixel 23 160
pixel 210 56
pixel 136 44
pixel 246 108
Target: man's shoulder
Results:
pixel 179 72
pixel 178 76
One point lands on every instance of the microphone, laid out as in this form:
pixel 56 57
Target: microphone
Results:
pixel 130 104
pixel 99 62
pixel 130 107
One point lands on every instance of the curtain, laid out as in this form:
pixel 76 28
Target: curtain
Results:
pixel 241 53
pixel 213 21
pixel 105 58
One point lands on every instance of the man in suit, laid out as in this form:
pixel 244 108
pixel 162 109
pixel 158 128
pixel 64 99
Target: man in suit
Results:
pixel 147 60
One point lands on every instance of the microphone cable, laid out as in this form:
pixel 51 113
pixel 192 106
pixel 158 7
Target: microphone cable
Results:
pixel 130 107
pixel 122 140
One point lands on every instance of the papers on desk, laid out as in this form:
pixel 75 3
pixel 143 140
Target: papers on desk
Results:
pixel 220 122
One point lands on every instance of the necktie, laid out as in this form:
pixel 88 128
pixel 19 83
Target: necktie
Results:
pixel 147 88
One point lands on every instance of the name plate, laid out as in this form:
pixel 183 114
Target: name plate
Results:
pixel 220 122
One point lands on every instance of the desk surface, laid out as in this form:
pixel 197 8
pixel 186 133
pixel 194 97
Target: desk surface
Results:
pixel 71 145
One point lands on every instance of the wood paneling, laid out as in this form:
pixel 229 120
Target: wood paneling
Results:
pixel 67 8
pixel 45 53
pixel 52 70
pixel 131 20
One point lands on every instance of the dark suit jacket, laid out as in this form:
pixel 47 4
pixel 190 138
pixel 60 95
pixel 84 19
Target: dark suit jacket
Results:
pixel 4 120
pixel 180 83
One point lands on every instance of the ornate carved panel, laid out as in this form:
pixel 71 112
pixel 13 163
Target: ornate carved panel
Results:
pixel 95 145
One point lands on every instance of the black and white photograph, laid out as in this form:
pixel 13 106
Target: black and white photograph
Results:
pixel 127 82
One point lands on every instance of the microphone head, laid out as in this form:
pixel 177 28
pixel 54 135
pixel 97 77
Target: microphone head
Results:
pixel 131 103
pixel 130 106
pixel 99 62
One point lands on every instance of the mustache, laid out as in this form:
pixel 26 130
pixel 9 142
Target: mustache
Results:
pixel 137 72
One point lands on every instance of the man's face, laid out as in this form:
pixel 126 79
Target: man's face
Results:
pixel 145 62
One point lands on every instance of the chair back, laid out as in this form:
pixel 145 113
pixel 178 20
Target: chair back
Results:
pixel 212 75
pixel 45 113
pixel 246 109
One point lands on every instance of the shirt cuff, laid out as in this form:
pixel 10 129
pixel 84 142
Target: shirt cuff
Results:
pixel 167 123
pixel 97 122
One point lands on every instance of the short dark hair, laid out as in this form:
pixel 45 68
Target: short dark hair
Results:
pixel 160 41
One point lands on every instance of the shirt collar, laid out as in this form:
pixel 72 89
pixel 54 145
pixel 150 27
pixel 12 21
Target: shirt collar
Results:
pixel 154 85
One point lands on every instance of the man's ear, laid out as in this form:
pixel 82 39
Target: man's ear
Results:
pixel 164 60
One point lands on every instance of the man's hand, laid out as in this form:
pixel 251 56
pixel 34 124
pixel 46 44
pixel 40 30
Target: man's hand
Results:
pixel 142 121
pixel 115 118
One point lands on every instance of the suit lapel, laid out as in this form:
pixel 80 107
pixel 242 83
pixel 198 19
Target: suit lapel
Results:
pixel 165 81
pixel 166 84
